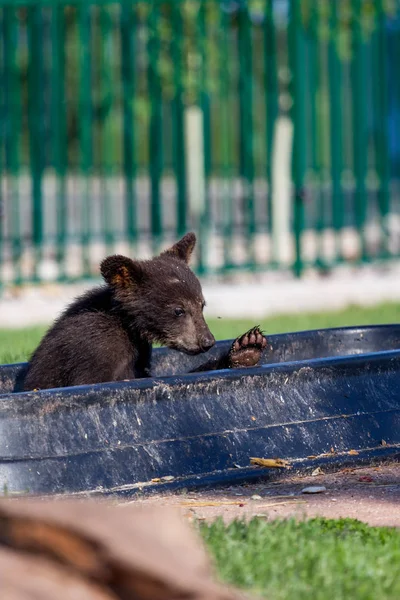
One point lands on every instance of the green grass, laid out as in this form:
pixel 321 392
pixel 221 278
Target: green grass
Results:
pixel 354 315
pixel 319 559
pixel 17 345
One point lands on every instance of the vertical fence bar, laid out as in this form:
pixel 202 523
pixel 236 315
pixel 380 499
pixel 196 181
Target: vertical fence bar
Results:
pixel 226 137
pixel 156 121
pixel 395 96
pixel 85 126
pixel 315 50
pixel 12 127
pixel 128 25
pixel 380 90
pixel 178 118
pixel 246 151
pixel 2 129
pixel 297 61
pixel 14 144
pixel 36 127
pixel 336 137
pixel 106 114
pixel 360 137
pixel 205 220
pixel 272 95
pixel 59 131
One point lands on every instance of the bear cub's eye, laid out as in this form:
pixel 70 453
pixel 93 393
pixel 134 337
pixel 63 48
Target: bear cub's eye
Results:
pixel 179 312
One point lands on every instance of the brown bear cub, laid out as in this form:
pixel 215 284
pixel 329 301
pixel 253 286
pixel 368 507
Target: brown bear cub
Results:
pixel 106 334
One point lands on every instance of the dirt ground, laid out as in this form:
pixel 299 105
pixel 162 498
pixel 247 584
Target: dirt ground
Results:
pixel 370 494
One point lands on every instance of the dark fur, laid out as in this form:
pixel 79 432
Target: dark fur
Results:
pixel 106 334
pixel 245 351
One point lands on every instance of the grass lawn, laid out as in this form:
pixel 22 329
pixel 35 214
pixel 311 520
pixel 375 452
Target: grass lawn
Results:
pixel 319 559
pixel 16 345
pixel 354 315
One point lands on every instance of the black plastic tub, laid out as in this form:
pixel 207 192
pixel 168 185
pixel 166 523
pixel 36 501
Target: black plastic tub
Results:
pixel 314 391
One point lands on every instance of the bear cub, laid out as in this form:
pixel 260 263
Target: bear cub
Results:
pixel 107 333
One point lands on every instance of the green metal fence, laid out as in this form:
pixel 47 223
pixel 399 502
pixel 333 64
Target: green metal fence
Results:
pixel 268 126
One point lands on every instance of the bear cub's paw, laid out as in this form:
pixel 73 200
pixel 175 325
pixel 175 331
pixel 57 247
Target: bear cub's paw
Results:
pixel 246 350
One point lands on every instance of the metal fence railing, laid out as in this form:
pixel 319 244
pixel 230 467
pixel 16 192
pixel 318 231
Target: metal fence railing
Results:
pixel 271 127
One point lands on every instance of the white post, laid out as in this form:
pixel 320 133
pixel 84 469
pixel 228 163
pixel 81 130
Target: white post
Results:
pixel 194 148
pixel 281 190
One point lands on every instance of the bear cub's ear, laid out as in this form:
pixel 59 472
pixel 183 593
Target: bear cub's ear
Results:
pixel 182 249
pixel 121 271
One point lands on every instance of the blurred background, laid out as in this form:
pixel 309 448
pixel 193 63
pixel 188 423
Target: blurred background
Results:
pixel 268 127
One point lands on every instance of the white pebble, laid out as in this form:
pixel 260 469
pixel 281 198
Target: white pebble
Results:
pixel 314 489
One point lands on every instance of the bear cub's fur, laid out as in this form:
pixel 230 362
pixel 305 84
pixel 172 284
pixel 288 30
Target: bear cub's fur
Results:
pixel 106 334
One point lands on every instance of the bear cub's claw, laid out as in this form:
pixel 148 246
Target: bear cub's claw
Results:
pixel 246 350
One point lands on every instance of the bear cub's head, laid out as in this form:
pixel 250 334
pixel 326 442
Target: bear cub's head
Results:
pixel 161 297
